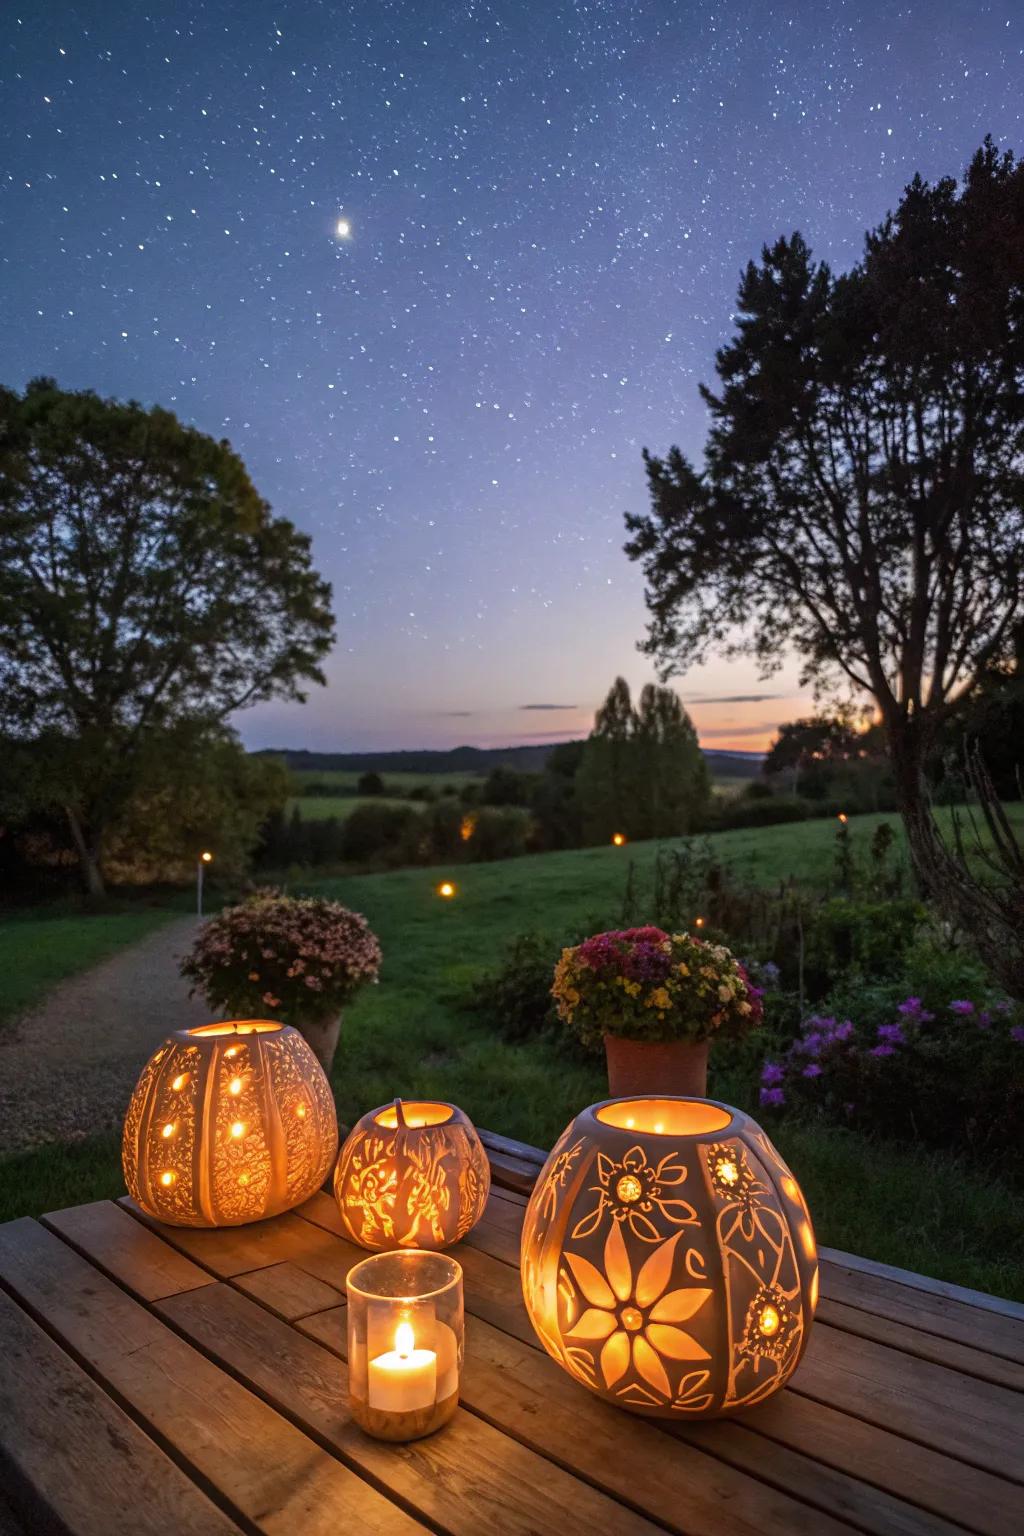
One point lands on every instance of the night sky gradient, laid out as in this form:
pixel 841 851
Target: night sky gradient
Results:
pixel 549 206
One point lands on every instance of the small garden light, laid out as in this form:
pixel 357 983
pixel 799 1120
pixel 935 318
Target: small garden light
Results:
pixel 206 857
pixel 446 889
pixel 843 817
pixel 619 839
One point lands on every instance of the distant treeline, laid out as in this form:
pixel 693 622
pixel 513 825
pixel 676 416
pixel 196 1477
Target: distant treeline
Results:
pixel 477 760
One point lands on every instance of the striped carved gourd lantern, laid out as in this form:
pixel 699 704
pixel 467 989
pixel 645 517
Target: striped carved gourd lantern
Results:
pixel 668 1260
pixel 412 1174
pixel 229 1123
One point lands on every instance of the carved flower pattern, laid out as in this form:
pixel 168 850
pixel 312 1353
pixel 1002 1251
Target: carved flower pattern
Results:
pixel 632 1189
pixel 635 1323
pixel 769 1324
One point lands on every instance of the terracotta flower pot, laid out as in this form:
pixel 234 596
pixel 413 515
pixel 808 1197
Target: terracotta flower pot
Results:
pixel 656 1066
pixel 321 1035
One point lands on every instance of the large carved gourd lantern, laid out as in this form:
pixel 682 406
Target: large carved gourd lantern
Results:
pixel 668 1260
pixel 412 1175
pixel 229 1123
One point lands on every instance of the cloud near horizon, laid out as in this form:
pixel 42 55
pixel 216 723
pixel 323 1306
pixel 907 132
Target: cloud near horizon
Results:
pixel 730 698
pixel 549 706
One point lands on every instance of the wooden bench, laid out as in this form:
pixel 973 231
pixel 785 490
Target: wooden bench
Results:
pixel 177 1381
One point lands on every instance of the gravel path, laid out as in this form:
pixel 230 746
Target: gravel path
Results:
pixel 67 1069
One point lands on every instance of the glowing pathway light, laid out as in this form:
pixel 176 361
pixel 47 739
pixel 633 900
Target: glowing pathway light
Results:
pixel 446 889
pixel 619 839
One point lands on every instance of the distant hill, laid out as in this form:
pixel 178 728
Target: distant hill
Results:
pixel 472 760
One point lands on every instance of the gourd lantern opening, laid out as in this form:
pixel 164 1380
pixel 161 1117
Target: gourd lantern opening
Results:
pixel 229 1123
pixel 412 1174
pixel 668 1260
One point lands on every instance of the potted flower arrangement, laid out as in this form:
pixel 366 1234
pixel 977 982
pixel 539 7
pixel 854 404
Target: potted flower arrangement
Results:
pixel 296 959
pixel 655 1000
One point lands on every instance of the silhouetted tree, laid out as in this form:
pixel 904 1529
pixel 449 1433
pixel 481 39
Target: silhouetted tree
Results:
pixel 861 500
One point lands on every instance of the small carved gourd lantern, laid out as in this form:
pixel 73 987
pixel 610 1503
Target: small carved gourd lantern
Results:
pixel 668 1260
pixel 229 1123
pixel 412 1175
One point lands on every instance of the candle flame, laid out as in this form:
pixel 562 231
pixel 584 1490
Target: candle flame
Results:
pixel 405 1339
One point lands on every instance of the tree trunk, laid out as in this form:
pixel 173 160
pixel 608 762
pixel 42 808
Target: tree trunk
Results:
pixel 88 850
pixel 990 913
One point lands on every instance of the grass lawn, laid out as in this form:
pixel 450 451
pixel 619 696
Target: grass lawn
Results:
pixel 39 948
pixel 347 782
pixel 411 1036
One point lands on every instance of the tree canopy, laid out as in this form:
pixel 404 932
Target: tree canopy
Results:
pixel 143 581
pixel 862 496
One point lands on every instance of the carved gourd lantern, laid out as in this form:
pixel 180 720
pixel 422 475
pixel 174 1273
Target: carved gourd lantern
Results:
pixel 228 1123
pixel 668 1260
pixel 412 1175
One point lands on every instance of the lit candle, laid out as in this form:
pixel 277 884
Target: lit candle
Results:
pixel 403 1379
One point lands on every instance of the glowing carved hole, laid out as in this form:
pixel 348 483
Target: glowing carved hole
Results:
pixel 168 1130
pixel 807 1240
pixel 235 1085
pixel 232 1050
pixel 789 1185
pixel 238 1129
pixel 167 1179
pixel 300 1110
pixel 727 1172
pixel 180 1081
pixel 243 1178
pixel 629 1188
pixel 632 1319
pixel 769 1321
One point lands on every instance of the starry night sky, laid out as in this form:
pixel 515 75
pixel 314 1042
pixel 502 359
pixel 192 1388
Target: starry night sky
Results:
pixel 548 205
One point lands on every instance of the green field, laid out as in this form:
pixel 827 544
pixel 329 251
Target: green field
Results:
pixel 39 948
pixel 412 1035
pixel 347 783
pixel 320 807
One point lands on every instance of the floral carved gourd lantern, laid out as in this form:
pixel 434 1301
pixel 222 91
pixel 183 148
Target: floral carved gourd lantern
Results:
pixel 228 1123
pixel 668 1260
pixel 412 1175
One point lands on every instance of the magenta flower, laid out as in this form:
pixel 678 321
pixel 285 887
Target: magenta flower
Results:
pixel 812 1069
pixel 882 1050
pixel 892 1034
pixel 961 1005
pixel 772 1098
pixel 771 1073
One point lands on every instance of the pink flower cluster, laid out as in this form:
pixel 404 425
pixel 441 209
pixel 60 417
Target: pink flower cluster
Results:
pixel 295 957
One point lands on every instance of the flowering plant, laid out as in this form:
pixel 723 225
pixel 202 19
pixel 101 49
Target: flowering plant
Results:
pixel 294 958
pixel 645 984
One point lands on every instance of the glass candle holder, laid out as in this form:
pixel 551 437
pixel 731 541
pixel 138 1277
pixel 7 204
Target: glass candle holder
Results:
pixel 405 1342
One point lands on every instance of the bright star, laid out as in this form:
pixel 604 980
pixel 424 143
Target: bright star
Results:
pixel 343 229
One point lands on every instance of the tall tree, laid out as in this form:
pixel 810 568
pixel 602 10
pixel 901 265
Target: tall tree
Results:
pixel 862 499
pixel 672 777
pixel 143 581
pixel 604 781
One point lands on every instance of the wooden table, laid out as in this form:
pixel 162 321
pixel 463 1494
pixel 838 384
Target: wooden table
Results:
pixel 157 1379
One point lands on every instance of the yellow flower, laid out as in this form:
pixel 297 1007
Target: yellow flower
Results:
pixel 659 999
pixel 636 1324
pixel 684 970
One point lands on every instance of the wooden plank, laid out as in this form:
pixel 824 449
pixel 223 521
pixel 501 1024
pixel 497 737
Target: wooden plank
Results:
pixel 931 1312
pixel 521 1150
pixel 939 1348
pixel 230 1251
pixel 915 1282
pixel 65 1446
pixel 267 1472
pixel 468 1479
pixel 513 1172
pixel 526 1394
pixel 288 1290
pixel 141 1262
pixel 972 1420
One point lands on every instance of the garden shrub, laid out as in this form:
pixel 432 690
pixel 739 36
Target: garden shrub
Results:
pixel 499 832
pixel 515 997
pixel 374 829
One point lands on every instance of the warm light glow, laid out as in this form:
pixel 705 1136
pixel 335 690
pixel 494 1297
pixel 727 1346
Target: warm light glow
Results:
pixel 467 828
pixel 243 1179
pixel 807 1240
pixel 619 839
pixel 843 817
pixel 405 1339
pixel 238 1129
pixel 446 888
pixel 207 858
pixel 300 1110
pixel 632 1319
pixel 168 1130
pixel 415 1114
pixel 629 1189
pixel 167 1179
pixel 180 1081
pixel 698 922
pixel 236 1027
pixel 814 1290
pixel 673 1117
pixel 768 1322
pixel 235 1085
pixel 789 1185
pixel 727 1171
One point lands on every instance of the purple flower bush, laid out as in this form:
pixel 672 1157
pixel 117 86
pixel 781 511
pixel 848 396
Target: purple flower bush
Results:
pixel 953 1073
pixel 290 958
pixel 645 984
